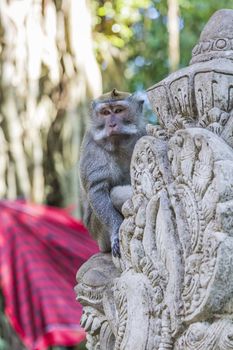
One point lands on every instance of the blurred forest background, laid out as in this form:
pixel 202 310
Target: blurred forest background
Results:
pixel 57 55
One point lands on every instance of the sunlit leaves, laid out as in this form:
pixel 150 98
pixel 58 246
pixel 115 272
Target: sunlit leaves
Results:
pixel 137 38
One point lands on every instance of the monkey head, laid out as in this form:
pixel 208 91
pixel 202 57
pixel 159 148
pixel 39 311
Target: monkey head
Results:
pixel 115 116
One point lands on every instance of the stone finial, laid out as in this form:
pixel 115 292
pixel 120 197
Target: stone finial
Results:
pixel 216 39
pixel 200 95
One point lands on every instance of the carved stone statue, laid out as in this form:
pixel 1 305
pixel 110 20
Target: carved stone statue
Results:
pixel 173 286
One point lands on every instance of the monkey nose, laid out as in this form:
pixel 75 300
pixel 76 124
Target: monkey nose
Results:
pixel 113 125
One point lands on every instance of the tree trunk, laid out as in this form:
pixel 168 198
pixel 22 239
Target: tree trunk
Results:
pixel 48 73
pixel 174 35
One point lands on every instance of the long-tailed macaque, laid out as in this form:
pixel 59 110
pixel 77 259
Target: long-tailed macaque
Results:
pixel 116 123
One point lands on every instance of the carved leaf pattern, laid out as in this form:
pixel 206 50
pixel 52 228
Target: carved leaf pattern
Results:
pixel 189 196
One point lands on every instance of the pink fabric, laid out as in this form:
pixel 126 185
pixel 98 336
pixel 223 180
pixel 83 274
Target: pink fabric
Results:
pixel 41 249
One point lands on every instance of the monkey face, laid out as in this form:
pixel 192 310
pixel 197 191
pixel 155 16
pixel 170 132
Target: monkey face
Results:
pixel 115 119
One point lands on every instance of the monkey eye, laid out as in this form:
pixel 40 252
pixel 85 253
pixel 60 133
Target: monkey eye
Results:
pixel 118 110
pixel 105 112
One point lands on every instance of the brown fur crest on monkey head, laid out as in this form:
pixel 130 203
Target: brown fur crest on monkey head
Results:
pixel 113 95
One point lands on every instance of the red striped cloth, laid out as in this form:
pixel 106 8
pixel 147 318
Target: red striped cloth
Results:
pixel 41 249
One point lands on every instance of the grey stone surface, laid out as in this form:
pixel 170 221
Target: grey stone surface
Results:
pixel 173 286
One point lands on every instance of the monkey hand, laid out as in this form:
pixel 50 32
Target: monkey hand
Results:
pixel 116 247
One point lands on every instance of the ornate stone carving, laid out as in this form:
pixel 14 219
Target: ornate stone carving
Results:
pixel 173 286
pixel 216 40
pixel 95 292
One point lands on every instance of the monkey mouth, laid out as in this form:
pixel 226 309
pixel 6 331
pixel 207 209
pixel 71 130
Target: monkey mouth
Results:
pixel 113 132
pixel 119 133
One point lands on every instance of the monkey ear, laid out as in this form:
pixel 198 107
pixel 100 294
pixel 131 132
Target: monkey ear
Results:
pixel 93 104
pixel 140 104
pixel 139 98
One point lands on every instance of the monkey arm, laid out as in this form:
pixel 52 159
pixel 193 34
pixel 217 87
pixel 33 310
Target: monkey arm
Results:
pixel 98 175
pixel 96 179
pixel 100 201
pixel 102 205
pixel 120 194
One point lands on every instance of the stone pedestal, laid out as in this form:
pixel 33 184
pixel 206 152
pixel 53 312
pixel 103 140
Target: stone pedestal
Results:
pixel 173 286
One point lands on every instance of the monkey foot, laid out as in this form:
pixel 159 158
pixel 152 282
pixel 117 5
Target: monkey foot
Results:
pixel 116 248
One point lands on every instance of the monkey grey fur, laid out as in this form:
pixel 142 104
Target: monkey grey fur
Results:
pixel 116 125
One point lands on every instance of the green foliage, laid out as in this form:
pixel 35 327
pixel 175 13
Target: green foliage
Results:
pixel 131 38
